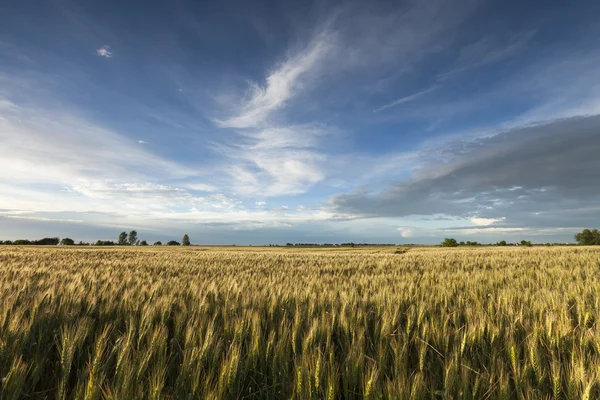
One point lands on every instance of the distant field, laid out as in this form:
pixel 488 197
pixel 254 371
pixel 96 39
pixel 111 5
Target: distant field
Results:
pixel 217 323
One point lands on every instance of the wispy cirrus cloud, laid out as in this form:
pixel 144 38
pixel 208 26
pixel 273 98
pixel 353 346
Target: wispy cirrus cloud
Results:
pixel 281 85
pixel 487 50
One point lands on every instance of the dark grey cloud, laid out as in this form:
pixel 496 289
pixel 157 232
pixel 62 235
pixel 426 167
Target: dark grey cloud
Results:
pixel 539 176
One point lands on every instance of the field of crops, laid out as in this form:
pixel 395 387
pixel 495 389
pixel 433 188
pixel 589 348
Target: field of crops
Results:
pixel 183 323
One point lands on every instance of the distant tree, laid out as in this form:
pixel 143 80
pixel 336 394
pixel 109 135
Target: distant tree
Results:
pixel 449 242
pixel 526 243
pixel 143 243
pixel 122 239
pixel 173 243
pixel 105 243
pixel 137 243
pixel 588 237
pixel 47 242
pixel 132 238
pixel 22 242
pixel 186 240
pixel 461 244
pixel 82 243
pixel 67 242
pixel 502 243
pixel 158 243
pixel 7 242
pixel 585 237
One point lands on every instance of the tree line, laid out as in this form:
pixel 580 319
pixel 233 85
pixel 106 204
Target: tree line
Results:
pixel 349 244
pixel 451 242
pixel 124 239
pixel 131 239
pixel 587 237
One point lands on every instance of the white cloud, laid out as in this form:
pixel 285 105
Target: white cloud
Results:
pixel 200 187
pixel 281 85
pixel 275 160
pixel 260 203
pixel 104 51
pixel 142 142
pixel 405 232
pixel 485 221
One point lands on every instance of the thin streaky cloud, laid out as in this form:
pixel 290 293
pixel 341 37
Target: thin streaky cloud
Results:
pixel 407 99
pixel 281 85
pixel 480 54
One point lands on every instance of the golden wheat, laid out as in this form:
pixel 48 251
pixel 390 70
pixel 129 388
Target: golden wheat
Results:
pixel 129 323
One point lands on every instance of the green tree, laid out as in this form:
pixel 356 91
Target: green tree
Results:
pixel 105 243
pixel 585 237
pixel 449 242
pixel 186 240
pixel 526 243
pixel 132 238
pixel 596 236
pixel 67 242
pixel 122 239
pixel 46 242
pixel 172 243
pixel 143 243
pixel 502 243
pixel 157 243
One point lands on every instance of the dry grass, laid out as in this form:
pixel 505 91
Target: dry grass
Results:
pixel 127 323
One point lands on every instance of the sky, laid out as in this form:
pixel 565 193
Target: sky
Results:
pixel 258 122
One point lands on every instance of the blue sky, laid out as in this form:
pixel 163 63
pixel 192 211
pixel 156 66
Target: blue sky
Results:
pixel 274 122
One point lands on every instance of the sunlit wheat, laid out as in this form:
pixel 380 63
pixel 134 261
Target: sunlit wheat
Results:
pixel 133 323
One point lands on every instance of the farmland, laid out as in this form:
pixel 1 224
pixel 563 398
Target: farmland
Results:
pixel 219 323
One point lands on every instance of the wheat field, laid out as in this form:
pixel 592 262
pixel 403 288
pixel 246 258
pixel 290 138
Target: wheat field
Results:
pixel 236 323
